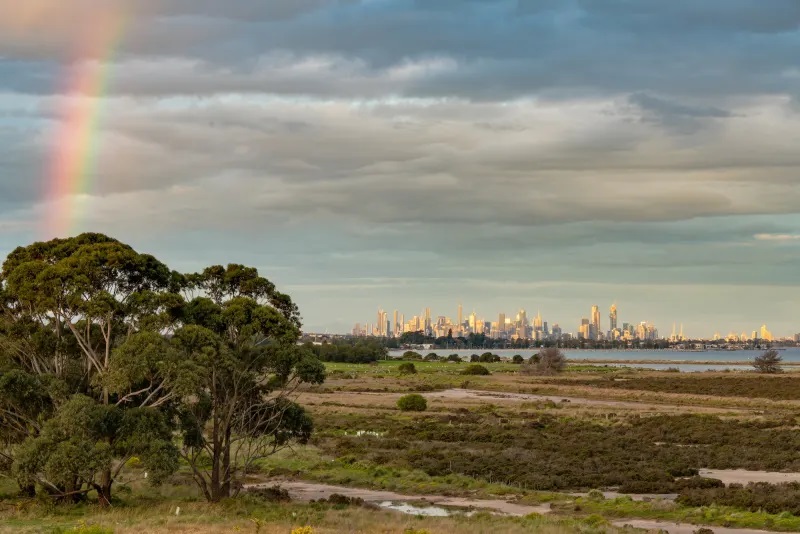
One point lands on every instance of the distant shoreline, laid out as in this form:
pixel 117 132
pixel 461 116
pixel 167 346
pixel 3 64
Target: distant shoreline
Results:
pixel 671 362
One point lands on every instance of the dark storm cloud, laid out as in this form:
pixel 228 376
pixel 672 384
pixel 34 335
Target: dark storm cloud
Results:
pixel 503 49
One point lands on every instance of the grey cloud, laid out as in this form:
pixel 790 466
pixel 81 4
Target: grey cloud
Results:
pixel 502 49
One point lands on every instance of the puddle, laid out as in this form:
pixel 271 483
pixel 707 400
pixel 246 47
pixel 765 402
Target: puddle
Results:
pixel 405 508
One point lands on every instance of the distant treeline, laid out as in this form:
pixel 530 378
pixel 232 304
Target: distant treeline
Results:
pixel 362 350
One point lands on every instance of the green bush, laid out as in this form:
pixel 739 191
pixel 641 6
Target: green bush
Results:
pixel 412 403
pixel 407 368
pixel 518 359
pixel 454 358
pixel 475 369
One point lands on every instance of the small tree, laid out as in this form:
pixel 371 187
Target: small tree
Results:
pixel 411 355
pixel 407 368
pixel 412 403
pixel 454 358
pixel 518 359
pixel 551 361
pixel 475 369
pixel 769 362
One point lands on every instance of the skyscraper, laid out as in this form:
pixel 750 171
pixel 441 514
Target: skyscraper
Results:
pixel 396 327
pixel 522 325
pixel 595 321
pixel 383 323
pixel 460 318
pixel 612 317
pixel 501 324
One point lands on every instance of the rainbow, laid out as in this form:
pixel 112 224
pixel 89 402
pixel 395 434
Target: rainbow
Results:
pixel 76 137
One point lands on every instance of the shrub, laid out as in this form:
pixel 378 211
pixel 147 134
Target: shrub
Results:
pixel 407 368
pixel 474 358
pixel 488 357
pixel 411 355
pixel 432 357
pixel 518 359
pixel 412 403
pixel 769 362
pixel 549 361
pixel 475 369
pixel 454 358
pixel 271 494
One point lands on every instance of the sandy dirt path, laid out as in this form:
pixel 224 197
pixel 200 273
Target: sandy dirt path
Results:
pixel 684 528
pixel 742 476
pixel 307 491
pixel 471 394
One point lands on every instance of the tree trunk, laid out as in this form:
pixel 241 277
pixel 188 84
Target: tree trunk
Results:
pixel 226 463
pixel 104 488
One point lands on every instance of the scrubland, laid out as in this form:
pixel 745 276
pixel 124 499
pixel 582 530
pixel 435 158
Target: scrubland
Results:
pixel 523 438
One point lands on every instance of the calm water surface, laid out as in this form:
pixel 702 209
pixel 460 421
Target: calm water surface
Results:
pixel 682 359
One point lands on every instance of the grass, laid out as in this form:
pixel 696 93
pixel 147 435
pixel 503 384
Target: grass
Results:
pixel 245 514
pixel 406 454
pixel 725 516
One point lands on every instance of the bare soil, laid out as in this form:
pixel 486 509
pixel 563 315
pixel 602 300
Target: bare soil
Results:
pixel 742 476
pixel 683 528
pixel 308 491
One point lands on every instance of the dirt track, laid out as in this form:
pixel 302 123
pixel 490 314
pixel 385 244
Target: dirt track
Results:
pixel 741 476
pixel 684 528
pixel 467 394
pixel 307 491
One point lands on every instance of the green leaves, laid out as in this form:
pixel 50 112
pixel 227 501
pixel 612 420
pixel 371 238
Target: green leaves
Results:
pixel 85 438
pixel 101 350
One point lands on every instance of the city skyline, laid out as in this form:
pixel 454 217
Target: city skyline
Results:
pixel 514 152
pixel 523 326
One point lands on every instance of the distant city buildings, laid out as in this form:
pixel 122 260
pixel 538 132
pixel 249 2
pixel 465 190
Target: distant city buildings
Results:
pixel 519 327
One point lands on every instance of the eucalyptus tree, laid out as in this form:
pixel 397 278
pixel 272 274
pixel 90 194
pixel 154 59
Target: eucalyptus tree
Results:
pixel 241 371
pixel 70 310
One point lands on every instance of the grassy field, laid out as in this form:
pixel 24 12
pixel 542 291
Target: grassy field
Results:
pixel 526 439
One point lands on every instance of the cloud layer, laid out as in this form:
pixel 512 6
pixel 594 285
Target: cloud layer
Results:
pixel 405 154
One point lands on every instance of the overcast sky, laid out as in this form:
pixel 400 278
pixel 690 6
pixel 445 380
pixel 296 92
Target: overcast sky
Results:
pixel 548 154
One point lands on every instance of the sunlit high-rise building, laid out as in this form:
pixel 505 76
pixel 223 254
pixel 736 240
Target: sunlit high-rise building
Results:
pixel 612 318
pixel 460 318
pixel 396 326
pixel 522 325
pixel 595 321
pixel 766 335
pixel 584 328
pixel 383 324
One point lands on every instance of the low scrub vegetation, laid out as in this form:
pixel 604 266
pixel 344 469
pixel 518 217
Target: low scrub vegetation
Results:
pixel 546 452
pixel 774 388
pixel 407 368
pixel 412 403
pixel 476 369
pixel 772 498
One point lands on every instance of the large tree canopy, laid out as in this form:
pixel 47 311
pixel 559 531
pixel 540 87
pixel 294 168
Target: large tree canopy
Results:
pixel 105 354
